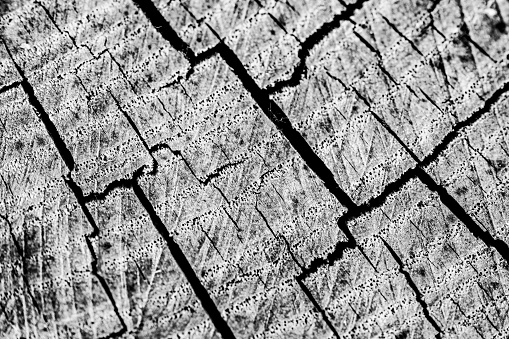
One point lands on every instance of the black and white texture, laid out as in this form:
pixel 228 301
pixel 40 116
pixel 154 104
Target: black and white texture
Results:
pixel 254 169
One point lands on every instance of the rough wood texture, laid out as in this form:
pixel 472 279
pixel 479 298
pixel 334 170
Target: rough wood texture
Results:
pixel 254 169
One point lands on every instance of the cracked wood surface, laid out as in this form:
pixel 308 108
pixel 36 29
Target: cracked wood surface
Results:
pixel 254 169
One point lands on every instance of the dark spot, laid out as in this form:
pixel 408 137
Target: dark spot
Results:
pixel 450 218
pixel 402 335
pixel 461 190
pixel 295 202
pixel 107 245
pixel 499 165
pixel 326 125
pixel 500 26
pixel 465 58
pixel 18 145
pixel 40 141
pixel 4 6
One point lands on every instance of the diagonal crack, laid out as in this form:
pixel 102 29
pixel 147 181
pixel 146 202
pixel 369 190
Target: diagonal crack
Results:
pixel 261 97
pixel 408 175
pixel 163 27
pixel 398 32
pixel 181 260
pixel 278 117
pixel 283 124
pixel 42 114
pixel 132 124
pixel 415 289
pixel 69 161
pixel 448 200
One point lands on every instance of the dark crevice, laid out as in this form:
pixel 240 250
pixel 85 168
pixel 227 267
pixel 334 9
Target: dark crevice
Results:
pixel 431 100
pixel 132 124
pixel 447 199
pixel 451 203
pixel 415 289
pixel 460 213
pixel 277 117
pixel 368 45
pixel 317 307
pixel 69 161
pixel 217 172
pixel 181 260
pixel 235 224
pixel 78 193
pixel 178 154
pixel 279 237
pixel 479 48
pixel 207 54
pixel 200 57
pixel 122 72
pixel 465 33
pixel 273 112
pixel 395 136
pixel 388 75
pixel 106 289
pixel 398 32
pixel 335 255
pixel 116 184
pixel 95 57
pixel 311 41
pixel 408 175
pixel 163 27
pixel 454 133
pixel 317 262
pixel 283 124
pixel 145 170
pixel 9 86
pixel 374 50
pixel 53 21
pixel 260 96
pixel 42 114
